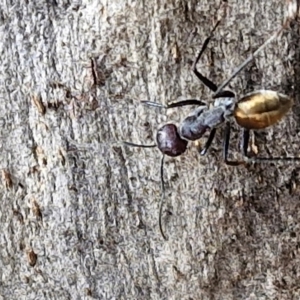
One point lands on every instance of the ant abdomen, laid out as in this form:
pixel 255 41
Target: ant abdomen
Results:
pixel 169 141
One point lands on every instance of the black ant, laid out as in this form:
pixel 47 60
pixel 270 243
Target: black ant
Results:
pixel 257 110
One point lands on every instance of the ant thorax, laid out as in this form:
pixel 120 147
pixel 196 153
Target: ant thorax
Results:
pixel 203 118
pixel 227 102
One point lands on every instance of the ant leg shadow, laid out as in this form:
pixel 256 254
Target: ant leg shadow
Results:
pixel 254 159
pixel 226 147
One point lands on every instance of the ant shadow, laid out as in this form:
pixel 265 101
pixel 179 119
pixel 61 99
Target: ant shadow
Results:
pixel 293 84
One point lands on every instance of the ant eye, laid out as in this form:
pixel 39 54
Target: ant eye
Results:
pixel 169 142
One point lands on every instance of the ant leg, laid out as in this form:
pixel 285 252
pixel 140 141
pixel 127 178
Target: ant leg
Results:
pixel 224 94
pixel 226 142
pixel 202 78
pixel 162 197
pixel 226 146
pixel 250 58
pixel 208 142
pixel 175 104
pixel 245 141
pixel 272 159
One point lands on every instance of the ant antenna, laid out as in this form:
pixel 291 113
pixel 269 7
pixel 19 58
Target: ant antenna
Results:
pixel 250 58
pixel 162 197
pixel 137 145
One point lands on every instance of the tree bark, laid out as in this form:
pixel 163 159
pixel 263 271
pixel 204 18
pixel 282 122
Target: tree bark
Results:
pixel 79 210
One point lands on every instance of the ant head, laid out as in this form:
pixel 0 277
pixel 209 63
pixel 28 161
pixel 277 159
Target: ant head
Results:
pixel 169 141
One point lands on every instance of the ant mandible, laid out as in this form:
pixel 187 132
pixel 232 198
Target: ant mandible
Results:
pixel 257 110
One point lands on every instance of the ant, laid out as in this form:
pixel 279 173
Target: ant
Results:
pixel 257 110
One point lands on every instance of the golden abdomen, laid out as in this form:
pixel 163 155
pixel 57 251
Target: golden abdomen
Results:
pixel 261 109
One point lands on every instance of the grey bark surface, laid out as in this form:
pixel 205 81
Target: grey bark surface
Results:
pixel 233 231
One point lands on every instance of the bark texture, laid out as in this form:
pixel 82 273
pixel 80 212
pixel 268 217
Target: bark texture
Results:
pixel 79 211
